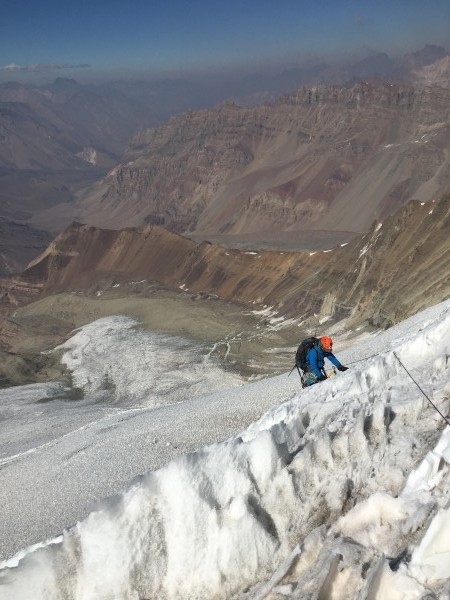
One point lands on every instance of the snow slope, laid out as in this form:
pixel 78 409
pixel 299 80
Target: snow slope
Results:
pixel 74 451
pixel 340 492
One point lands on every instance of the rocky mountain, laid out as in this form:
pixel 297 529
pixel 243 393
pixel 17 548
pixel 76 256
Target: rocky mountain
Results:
pixel 399 267
pixel 401 69
pixel 58 138
pixel 428 55
pixel 326 159
pixel 437 74
pixel 376 67
pixel 73 117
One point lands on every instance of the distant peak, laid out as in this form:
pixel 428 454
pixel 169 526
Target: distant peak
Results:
pixel 434 47
pixel 429 54
pixel 65 82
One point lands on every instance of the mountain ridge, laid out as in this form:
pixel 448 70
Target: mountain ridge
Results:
pixel 400 266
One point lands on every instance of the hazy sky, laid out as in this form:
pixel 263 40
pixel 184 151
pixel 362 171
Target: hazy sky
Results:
pixel 163 36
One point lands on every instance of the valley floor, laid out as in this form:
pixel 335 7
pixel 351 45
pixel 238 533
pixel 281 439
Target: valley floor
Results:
pixel 249 342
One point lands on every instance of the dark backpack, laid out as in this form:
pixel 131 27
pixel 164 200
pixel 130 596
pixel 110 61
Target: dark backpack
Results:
pixel 302 350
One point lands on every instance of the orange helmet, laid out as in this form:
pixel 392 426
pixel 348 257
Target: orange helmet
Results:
pixel 326 343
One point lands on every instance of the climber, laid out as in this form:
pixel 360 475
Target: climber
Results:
pixel 310 358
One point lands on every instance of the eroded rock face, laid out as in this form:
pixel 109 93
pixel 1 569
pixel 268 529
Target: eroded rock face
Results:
pixel 438 73
pixel 325 158
pixel 399 267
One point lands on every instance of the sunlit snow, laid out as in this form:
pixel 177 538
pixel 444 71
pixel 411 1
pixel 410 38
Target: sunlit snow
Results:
pixel 340 491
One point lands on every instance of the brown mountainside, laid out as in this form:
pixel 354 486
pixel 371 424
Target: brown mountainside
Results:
pixel 397 268
pixel 325 158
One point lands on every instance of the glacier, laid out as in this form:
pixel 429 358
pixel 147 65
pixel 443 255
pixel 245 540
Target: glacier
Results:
pixel 339 491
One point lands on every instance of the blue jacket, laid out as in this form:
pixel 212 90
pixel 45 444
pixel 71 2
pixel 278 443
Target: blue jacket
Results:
pixel 315 359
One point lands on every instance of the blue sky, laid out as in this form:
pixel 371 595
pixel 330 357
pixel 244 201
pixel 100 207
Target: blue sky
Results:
pixel 162 37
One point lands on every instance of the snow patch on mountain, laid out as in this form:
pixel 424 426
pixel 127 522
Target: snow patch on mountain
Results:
pixel 89 155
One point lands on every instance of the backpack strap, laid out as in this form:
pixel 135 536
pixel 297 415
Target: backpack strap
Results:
pixel 322 370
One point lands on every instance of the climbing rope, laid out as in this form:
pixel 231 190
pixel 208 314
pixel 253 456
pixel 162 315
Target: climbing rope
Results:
pixel 412 378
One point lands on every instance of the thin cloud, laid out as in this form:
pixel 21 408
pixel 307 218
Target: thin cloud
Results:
pixel 360 20
pixel 40 67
